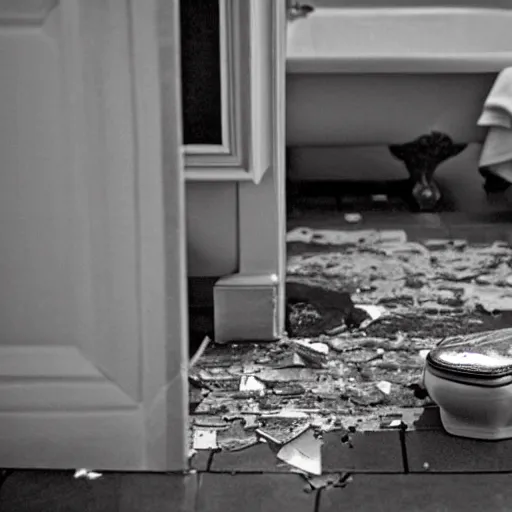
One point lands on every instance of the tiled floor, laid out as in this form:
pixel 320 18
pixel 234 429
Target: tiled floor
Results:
pixel 475 228
pixel 419 469
pixel 423 469
pixel 425 493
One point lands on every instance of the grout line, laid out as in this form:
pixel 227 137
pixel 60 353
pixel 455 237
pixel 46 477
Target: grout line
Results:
pixel 461 472
pixel 256 472
pixel 318 498
pixel 350 471
pixel 199 478
pixel 403 443
pixel 358 474
pixel 210 461
pixel 4 475
pixel 354 473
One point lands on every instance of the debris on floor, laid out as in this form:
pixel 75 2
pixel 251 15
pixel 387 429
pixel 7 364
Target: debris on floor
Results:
pixel 434 274
pixel 303 452
pixel 313 354
pixel 205 439
pixel 236 437
pixel 328 237
pixel 323 481
pixel 210 422
pixel 87 474
pixel 379 198
pixel 200 351
pixel 280 430
pixel 374 313
pixel 384 386
pixel 364 309
pixel 392 421
pixel 251 383
pixel 353 218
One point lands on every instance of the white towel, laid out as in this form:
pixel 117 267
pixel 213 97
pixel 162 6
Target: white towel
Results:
pixel 496 154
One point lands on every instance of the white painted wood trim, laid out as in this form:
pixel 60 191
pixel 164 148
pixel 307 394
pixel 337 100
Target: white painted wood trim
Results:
pixel 210 175
pixel 279 150
pixel 162 244
pixel 228 153
pixel 244 152
pixel 262 210
pixel 205 149
pixel 199 157
pixel 25 12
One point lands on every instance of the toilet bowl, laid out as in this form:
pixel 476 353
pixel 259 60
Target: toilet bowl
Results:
pixel 470 379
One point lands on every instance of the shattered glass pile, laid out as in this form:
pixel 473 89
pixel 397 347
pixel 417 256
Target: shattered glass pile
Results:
pixel 384 268
pixel 328 375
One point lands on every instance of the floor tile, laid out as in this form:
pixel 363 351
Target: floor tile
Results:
pixel 437 451
pixel 422 233
pixel 430 220
pixel 56 491
pixel 151 492
pixel 481 233
pixel 259 458
pixel 421 493
pixel 200 291
pixel 414 418
pixel 417 227
pixel 200 326
pixel 4 473
pixel 366 452
pixel 489 216
pixel 253 493
pixel 427 418
pixel 200 460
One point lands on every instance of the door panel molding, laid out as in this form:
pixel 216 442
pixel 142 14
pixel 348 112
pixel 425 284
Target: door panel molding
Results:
pixel 46 363
pixel 25 12
pixel 45 378
pixel 96 58
pixel 71 396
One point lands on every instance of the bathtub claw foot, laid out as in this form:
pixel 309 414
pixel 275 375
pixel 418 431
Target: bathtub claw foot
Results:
pixel 422 157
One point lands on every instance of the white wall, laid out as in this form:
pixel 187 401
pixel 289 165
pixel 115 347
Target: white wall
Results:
pixel 212 229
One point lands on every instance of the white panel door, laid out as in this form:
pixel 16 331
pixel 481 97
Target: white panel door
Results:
pixel 92 257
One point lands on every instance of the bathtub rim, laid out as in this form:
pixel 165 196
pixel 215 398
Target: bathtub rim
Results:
pixel 457 63
pixel 299 62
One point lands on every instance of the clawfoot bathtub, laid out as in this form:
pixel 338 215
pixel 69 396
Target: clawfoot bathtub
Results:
pixel 410 78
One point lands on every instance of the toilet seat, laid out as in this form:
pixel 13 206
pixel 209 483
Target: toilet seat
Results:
pixel 470 378
pixel 471 381
pixel 480 359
